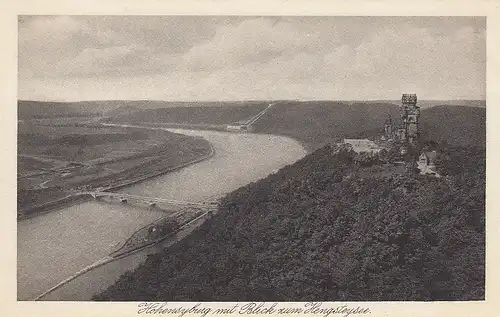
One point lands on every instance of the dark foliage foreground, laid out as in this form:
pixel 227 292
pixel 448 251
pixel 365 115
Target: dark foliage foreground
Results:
pixel 317 230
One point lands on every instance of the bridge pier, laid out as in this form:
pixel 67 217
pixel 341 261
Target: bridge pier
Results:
pixel 152 202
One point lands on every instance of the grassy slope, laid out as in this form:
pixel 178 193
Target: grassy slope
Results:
pixel 309 233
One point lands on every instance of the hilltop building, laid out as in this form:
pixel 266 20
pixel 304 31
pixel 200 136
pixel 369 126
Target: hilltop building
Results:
pixel 407 131
pixel 410 114
pixel 426 163
pixel 403 136
pixel 361 146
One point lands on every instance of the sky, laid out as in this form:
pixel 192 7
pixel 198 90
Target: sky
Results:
pixel 71 58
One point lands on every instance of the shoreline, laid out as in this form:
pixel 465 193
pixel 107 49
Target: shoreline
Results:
pixel 184 230
pixel 111 258
pixel 71 200
pixel 213 127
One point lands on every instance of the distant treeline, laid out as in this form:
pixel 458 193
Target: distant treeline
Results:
pixel 27 109
pixel 318 123
pixel 32 109
pixel 460 126
pixel 325 230
pixel 193 115
pixel 313 123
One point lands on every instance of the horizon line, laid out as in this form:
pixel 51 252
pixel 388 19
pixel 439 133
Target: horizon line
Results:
pixel 241 100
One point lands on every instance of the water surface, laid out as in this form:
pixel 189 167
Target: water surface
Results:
pixel 55 245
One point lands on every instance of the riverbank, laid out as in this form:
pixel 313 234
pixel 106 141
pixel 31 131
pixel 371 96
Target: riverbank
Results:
pixel 126 180
pixel 54 246
pixel 171 239
pixel 310 147
pixel 325 219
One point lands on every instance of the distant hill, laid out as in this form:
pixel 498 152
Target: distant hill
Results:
pixel 465 126
pixel 38 109
pixel 30 109
pixel 463 103
pixel 130 106
pixel 122 110
pixel 314 123
pixel 317 123
pixel 424 104
pixel 193 114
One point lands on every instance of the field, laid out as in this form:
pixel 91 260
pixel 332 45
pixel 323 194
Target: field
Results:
pixel 54 158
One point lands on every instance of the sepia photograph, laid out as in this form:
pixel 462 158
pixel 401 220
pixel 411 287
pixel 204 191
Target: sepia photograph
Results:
pixel 251 158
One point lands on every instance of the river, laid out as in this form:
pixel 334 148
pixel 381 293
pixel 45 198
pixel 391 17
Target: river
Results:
pixel 54 246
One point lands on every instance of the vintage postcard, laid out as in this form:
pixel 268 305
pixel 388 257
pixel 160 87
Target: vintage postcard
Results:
pixel 194 161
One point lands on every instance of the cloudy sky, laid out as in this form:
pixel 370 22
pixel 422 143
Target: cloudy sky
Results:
pixel 237 58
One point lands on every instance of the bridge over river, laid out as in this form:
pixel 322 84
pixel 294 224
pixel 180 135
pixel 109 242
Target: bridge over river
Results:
pixel 56 246
pixel 151 201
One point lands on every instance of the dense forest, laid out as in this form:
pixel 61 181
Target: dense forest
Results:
pixel 194 114
pixel 33 109
pixel 316 123
pixel 313 123
pixel 327 229
pixel 27 109
pixel 462 126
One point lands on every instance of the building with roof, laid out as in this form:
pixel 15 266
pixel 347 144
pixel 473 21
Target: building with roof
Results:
pixel 362 146
pixel 426 163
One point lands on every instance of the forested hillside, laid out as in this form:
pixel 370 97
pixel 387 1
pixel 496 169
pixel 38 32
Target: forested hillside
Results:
pixel 194 114
pixel 315 123
pixel 464 126
pixel 323 229
pixel 33 109
pixel 318 123
pixel 27 109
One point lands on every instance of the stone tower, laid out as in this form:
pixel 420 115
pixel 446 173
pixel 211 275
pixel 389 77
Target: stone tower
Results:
pixel 388 128
pixel 410 114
